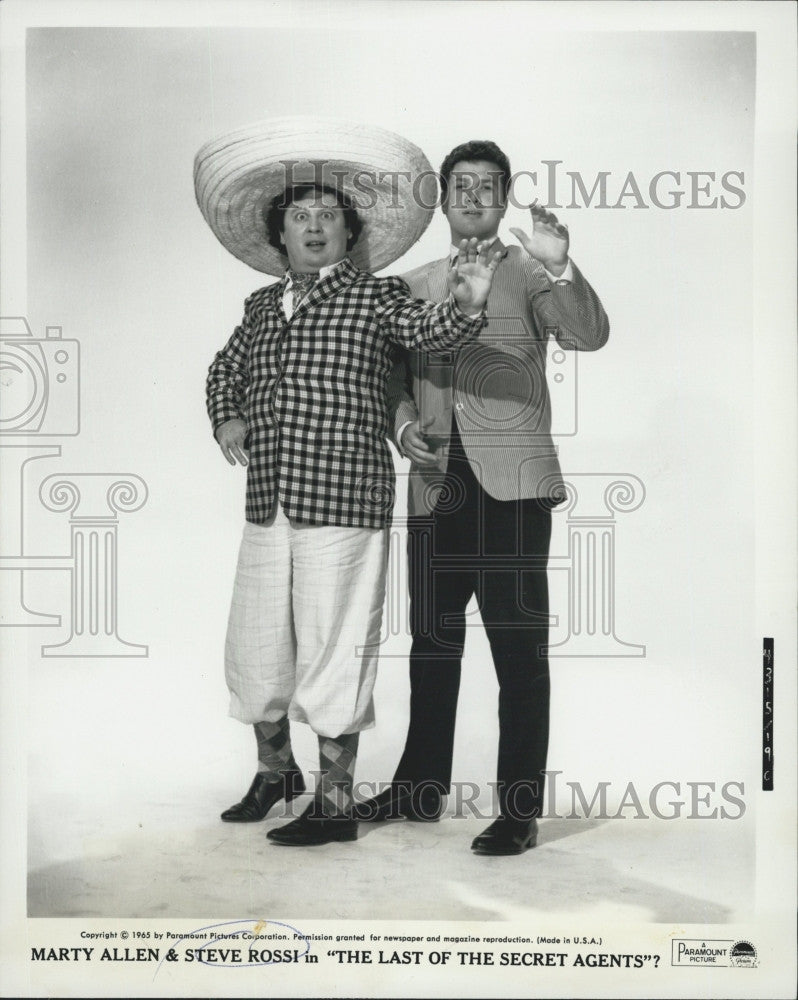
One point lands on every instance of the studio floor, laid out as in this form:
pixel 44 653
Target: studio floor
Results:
pixel 123 799
pixel 175 858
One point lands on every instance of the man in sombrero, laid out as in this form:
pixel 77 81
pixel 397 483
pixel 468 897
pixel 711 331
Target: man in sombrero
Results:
pixel 298 396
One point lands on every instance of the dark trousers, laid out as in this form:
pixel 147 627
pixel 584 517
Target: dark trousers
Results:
pixel 496 550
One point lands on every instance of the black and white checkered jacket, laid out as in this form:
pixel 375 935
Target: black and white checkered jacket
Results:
pixel 312 392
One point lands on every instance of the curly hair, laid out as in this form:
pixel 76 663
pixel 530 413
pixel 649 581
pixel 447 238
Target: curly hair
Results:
pixel 475 149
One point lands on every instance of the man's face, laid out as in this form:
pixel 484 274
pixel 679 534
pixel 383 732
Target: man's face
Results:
pixel 315 233
pixel 475 204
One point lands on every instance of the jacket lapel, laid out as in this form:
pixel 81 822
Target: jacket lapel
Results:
pixel 277 292
pixel 436 280
pixel 338 279
pixel 433 371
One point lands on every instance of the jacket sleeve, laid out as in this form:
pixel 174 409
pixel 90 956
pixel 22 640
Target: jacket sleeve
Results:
pixel 401 405
pixel 571 312
pixel 416 324
pixel 228 376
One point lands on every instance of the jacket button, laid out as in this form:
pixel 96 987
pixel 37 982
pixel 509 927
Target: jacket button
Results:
pixel 458 406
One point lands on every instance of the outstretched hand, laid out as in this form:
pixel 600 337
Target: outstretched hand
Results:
pixel 549 241
pixel 471 275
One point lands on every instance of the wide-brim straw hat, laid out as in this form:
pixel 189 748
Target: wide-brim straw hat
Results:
pixel 388 178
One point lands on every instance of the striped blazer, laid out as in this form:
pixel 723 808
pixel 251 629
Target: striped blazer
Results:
pixel 495 386
pixel 312 392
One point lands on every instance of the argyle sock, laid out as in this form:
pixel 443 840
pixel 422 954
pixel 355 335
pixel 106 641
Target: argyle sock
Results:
pixel 274 747
pixel 337 759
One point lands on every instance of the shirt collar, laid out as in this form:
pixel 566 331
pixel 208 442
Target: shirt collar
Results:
pixel 323 272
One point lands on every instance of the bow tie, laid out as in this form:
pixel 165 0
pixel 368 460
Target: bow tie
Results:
pixel 301 284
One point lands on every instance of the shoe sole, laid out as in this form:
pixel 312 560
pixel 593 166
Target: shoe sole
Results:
pixel 392 815
pixel 343 837
pixel 393 819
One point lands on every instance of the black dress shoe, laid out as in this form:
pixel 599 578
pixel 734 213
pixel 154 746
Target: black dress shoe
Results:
pixel 422 804
pixel 507 836
pixel 262 795
pixel 313 827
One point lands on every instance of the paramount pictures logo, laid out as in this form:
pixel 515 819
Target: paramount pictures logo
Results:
pixel 721 954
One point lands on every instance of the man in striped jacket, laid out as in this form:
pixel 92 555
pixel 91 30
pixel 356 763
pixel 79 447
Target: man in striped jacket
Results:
pixel 298 395
pixel 476 425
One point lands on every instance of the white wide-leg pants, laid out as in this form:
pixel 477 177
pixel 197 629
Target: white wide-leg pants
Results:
pixel 304 626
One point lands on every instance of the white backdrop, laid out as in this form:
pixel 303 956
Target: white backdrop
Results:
pixel 119 256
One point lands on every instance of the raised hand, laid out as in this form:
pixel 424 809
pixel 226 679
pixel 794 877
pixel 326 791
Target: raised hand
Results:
pixel 549 241
pixel 471 275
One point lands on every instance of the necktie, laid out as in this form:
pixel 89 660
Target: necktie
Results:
pixel 301 284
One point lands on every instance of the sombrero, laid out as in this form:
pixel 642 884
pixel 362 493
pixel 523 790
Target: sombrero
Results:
pixel 388 178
